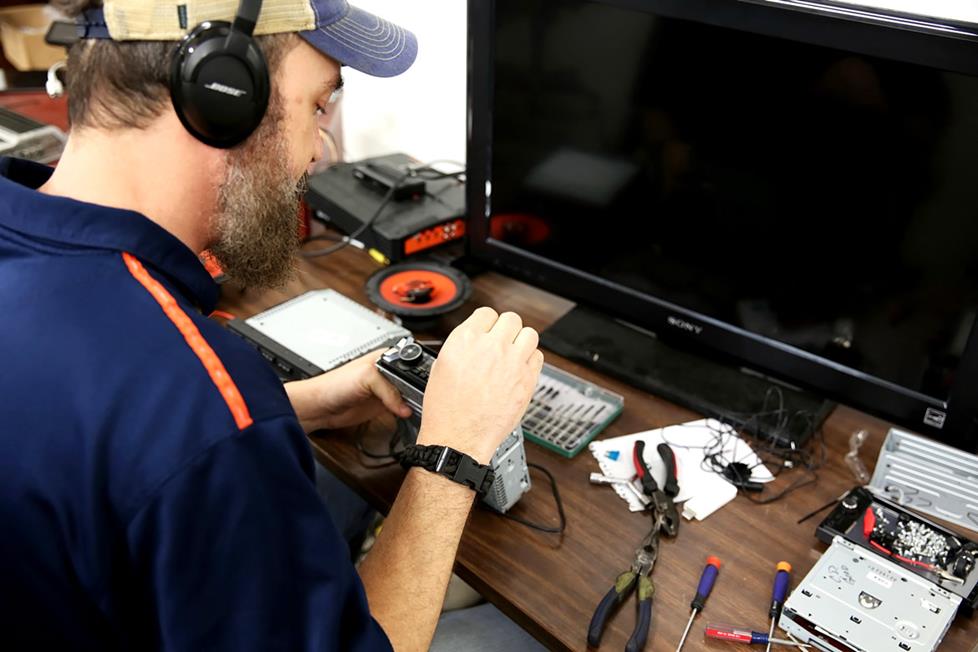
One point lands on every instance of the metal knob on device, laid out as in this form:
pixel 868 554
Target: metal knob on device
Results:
pixel 411 354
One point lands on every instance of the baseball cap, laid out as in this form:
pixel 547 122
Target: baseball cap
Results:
pixel 352 36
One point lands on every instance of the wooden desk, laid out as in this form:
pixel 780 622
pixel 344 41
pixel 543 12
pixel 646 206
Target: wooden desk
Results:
pixel 38 106
pixel 550 584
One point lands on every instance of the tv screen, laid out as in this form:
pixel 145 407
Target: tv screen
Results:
pixel 817 199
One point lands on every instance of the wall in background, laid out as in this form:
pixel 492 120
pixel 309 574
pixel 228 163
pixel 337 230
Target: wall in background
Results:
pixel 422 112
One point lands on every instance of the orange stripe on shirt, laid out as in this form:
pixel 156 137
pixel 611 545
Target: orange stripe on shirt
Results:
pixel 215 368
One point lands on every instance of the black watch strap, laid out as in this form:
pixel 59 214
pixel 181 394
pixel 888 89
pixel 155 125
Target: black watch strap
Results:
pixel 452 464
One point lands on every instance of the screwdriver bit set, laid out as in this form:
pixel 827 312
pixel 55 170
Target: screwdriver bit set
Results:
pixel 567 412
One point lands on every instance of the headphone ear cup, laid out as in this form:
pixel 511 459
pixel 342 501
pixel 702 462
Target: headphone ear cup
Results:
pixel 220 96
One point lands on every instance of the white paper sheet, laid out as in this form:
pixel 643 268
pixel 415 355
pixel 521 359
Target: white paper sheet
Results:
pixel 700 488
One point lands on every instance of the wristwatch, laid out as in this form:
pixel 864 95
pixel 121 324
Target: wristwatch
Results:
pixel 452 464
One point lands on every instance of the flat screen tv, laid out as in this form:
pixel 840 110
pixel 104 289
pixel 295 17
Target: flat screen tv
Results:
pixel 791 188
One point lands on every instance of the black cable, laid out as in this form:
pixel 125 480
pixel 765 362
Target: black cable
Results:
pixel 750 428
pixel 323 236
pixel 395 457
pixel 425 172
pixel 374 456
pixel 360 229
pixel 797 484
pixel 536 526
pixel 392 453
pixel 817 511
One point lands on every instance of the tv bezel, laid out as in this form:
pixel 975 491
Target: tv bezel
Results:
pixel 947 47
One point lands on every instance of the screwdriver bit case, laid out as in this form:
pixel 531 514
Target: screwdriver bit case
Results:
pixel 567 412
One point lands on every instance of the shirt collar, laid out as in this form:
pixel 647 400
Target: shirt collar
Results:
pixel 73 222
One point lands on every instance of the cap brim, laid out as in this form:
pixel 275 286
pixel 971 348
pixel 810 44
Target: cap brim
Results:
pixel 366 42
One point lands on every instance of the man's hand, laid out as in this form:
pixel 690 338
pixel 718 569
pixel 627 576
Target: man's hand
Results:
pixel 481 384
pixel 345 396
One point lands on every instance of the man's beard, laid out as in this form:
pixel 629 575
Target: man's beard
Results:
pixel 257 224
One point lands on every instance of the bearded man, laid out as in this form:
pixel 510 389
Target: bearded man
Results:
pixel 157 490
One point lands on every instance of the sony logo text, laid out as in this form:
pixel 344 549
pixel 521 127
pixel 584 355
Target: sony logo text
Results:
pixel 684 325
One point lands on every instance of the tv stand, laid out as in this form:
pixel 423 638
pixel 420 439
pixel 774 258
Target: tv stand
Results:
pixel 709 386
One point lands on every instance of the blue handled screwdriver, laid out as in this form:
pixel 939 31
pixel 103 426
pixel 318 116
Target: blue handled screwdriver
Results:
pixel 778 594
pixel 702 593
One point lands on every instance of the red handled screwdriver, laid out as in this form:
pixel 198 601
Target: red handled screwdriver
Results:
pixel 702 593
pixel 778 594
pixel 746 635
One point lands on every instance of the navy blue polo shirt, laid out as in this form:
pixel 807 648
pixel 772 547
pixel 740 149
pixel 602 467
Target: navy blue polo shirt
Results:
pixel 156 489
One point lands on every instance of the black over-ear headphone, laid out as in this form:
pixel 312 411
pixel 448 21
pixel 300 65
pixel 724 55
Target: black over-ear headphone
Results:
pixel 219 79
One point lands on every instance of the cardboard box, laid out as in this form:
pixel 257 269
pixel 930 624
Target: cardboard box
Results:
pixel 22 30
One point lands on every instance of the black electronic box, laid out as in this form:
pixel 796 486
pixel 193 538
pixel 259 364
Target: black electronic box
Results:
pixel 420 215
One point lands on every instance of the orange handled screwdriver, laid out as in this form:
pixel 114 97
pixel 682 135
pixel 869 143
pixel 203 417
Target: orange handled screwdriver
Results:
pixel 778 595
pixel 707 579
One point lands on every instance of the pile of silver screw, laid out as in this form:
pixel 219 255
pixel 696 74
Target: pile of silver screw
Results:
pixel 917 541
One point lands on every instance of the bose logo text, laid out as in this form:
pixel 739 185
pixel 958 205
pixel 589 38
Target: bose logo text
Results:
pixel 227 90
pixel 684 325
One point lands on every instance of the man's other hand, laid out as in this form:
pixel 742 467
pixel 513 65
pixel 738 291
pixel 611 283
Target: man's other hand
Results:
pixel 345 396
